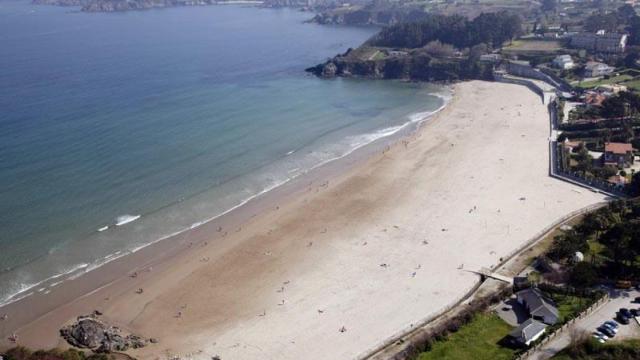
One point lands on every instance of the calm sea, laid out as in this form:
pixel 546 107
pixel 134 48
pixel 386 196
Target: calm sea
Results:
pixel 144 124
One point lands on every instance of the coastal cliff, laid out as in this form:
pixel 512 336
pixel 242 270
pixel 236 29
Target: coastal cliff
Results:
pixel 368 15
pixel 381 63
pixel 437 48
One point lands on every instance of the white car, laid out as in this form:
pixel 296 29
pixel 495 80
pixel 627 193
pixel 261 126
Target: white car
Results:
pixel 615 331
pixel 599 339
pixel 600 335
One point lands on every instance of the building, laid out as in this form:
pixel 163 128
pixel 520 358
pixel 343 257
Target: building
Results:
pixel 563 62
pixel 611 88
pixel 572 146
pixel 521 282
pixel 594 98
pixel 527 332
pixel 618 154
pixel 600 42
pixel 596 69
pixel 538 306
pixel 492 58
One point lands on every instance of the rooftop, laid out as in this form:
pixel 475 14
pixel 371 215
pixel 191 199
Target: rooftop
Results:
pixel 538 304
pixel 594 64
pixel 527 330
pixel 618 148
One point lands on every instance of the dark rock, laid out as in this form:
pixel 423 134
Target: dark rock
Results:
pixel 329 70
pixel 88 332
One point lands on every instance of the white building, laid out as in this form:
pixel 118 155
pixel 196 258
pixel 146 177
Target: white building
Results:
pixel 600 42
pixel 595 69
pixel 563 62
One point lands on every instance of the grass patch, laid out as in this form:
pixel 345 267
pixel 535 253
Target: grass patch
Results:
pixel 568 305
pixel 534 45
pixel 609 81
pixel 634 84
pixel 476 340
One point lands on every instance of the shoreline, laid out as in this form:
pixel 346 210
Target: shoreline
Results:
pixel 400 215
pixel 121 264
pixel 323 171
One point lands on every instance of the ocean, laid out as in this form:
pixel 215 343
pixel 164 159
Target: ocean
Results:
pixel 118 130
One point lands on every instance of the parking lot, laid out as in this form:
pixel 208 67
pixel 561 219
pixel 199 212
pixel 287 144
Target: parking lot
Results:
pixel 618 299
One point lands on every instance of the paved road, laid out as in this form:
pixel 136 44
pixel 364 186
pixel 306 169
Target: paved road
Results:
pixel 618 299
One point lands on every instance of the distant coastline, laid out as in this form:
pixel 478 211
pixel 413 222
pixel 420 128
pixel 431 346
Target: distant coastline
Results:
pixel 120 6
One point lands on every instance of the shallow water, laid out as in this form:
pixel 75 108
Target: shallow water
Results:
pixel 117 130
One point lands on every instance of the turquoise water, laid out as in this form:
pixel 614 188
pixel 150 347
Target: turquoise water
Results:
pixel 175 116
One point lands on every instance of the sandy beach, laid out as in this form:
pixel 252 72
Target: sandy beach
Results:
pixel 344 265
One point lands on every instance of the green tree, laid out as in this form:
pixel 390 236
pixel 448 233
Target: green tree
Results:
pixel 549 5
pixel 583 275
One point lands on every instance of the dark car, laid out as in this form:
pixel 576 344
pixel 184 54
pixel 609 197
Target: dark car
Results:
pixel 625 312
pixel 637 299
pixel 605 330
pixel 622 319
pixel 635 312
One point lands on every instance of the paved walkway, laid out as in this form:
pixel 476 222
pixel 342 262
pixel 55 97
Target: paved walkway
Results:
pixel 618 299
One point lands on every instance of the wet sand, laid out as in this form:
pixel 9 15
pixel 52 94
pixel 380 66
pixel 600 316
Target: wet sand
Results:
pixel 338 267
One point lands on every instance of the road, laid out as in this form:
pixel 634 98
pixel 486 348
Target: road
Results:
pixel 618 299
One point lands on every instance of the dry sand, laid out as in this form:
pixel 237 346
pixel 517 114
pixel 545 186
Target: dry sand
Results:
pixel 371 253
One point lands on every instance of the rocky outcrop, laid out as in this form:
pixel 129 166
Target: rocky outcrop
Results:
pixel 369 15
pixel 407 65
pixel 91 333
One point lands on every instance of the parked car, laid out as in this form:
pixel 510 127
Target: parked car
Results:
pixel 606 331
pixel 625 312
pixel 614 330
pixel 622 319
pixel 612 323
pixel 624 284
pixel 599 339
pixel 637 299
pixel 600 335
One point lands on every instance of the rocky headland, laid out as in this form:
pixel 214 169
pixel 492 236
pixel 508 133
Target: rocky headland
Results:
pixel 436 48
pixel 405 64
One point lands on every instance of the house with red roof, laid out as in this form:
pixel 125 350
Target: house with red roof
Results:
pixel 618 154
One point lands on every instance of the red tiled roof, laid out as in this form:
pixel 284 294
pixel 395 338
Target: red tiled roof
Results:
pixel 594 99
pixel 618 148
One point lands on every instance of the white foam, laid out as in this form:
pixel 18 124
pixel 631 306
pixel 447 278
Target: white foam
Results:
pixel 103 228
pixel 125 219
pixel 353 142
pixel 21 293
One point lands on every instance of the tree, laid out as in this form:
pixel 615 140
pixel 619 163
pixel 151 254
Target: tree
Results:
pixel 438 49
pixel 630 60
pixel 549 5
pixel 617 241
pixel 626 14
pixel 600 21
pixel 583 275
